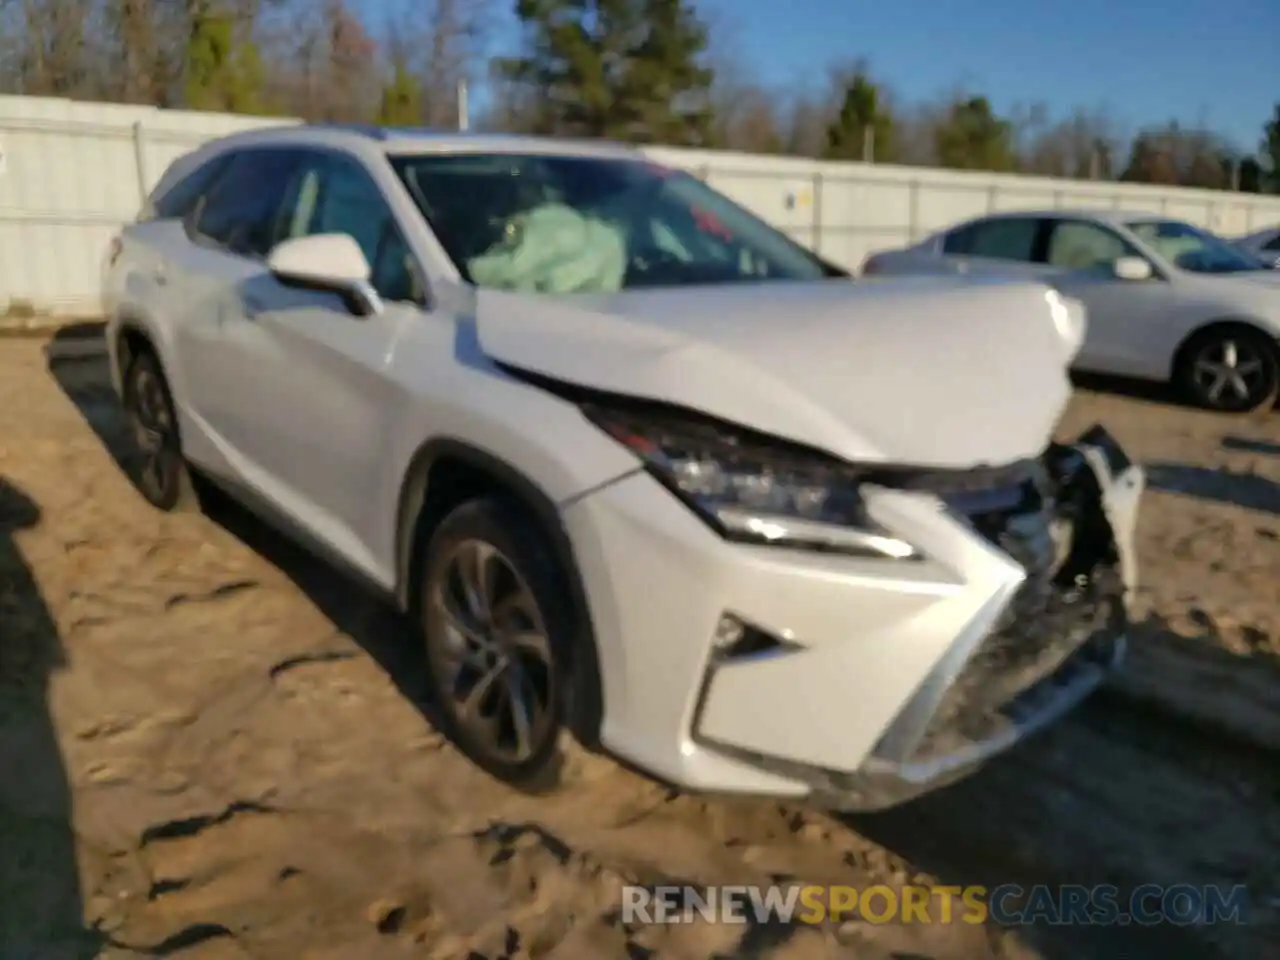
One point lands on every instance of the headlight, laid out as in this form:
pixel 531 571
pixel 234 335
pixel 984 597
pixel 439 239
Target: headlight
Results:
pixel 751 489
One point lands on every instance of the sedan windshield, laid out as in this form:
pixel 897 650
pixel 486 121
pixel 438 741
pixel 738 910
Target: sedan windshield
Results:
pixel 561 224
pixel 1190 248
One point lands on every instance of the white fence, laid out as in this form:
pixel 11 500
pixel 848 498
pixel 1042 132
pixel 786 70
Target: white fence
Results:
pixel 71 173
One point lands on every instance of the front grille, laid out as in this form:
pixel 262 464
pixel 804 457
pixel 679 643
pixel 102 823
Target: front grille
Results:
pixel 1064 617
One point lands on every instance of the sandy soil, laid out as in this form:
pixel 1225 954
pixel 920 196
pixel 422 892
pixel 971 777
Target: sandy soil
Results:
pixel 209 745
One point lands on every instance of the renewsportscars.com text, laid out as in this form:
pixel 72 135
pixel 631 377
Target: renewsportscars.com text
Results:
pixel 1007 904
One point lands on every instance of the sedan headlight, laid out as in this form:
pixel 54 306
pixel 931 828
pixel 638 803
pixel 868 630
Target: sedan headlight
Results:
pixel 753 489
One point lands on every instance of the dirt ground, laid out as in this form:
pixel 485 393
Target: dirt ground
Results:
pixel 209 745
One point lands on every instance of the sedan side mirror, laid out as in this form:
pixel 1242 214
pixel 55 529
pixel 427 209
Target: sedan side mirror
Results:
pixel 1132 268
pixel 327 261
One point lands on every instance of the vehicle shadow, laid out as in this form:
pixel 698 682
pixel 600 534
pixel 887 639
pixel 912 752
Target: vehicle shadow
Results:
pixel 1249 445
pixel 41 913
pixel 1133 389
pixel 1217 485
pixel 371 622
pixel 1147 390
pixel 1168 778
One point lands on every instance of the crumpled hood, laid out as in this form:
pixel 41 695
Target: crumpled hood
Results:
pixel 927 372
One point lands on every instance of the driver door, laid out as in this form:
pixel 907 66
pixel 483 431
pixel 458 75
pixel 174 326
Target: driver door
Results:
pixel 1125 317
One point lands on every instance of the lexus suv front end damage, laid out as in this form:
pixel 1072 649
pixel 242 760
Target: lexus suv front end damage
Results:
pixel 633 463
pixel 805 628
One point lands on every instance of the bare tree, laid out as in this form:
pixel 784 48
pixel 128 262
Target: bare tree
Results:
pixel 54 59
pixel 443 44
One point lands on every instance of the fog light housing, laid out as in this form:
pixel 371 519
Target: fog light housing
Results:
pixel 729 633
pixel 736 638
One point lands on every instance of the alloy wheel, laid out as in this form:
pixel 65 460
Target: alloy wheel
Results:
pixel 1230 373
pixel 157 448
pixel 490 651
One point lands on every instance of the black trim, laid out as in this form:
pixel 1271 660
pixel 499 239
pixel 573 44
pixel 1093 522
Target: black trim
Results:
pixel 355 304
pixel 586 707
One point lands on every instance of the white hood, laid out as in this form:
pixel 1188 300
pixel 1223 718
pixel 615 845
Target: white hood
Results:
pixel 925 372
pixel 1263 278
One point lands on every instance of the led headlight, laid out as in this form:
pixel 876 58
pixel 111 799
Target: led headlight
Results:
pixel 752 490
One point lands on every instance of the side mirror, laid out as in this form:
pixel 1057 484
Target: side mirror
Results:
pixel 327 261
pixel 1132 268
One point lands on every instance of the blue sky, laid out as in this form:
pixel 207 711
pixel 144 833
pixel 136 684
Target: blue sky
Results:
pixel 1215 62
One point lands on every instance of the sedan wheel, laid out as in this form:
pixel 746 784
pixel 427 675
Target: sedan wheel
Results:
pixel 489 615
pixel 1232 371
pixel 157 464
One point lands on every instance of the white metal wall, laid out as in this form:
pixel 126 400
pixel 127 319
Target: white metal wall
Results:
pixel 71 173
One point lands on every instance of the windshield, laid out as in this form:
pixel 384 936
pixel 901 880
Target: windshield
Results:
pixel 1193 249
pixel 562 224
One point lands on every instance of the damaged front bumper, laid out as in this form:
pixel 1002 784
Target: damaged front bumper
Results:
pixel 1043 641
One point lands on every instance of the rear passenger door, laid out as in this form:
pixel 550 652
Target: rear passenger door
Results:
pixel 230 228
pixel 1006 246
pixel 318 396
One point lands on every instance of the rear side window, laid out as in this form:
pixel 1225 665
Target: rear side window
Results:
pixel 241 212
pixel 1003 239
pixel 181 198
pixel 1273 243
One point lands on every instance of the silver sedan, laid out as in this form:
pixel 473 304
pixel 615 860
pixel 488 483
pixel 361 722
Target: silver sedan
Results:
pixel 1166 300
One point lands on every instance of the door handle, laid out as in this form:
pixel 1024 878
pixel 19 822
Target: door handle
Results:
pixel 159 274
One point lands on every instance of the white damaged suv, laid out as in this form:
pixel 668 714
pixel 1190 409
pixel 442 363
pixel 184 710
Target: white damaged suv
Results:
pixel 636 466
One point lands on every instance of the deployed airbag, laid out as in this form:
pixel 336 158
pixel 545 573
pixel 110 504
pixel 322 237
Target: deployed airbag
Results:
pixel 555 249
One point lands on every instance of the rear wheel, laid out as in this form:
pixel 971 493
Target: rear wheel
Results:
pixel 155 462
pixel 1229 369
pixel 495 620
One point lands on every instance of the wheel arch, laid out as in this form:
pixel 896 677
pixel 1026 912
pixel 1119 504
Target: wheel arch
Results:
pixel 131 336
pixel 1222 324
pixel 443 473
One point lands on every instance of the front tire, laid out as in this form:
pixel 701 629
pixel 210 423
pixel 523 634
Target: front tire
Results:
pixel 496 621
pixel 155 462
pixel 1230 370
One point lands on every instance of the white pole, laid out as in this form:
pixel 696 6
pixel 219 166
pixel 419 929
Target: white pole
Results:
pixel 463 119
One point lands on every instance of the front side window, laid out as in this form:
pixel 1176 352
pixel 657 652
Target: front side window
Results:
pixel 1192 249
pixel 180 199
pixel 1005 238
pixel 240 214
pixel 334 194
pixel 561 224
pixel 1081 245
pixel 1272 245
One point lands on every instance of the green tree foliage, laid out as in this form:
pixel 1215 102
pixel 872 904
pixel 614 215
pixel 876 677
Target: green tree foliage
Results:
pixel 620 69
pixel 1251 175
pixel 401 102
pixel 863 121
pixel 223 67
pixel 970 136
pixel 1149 162
pixel 1177 155
pixel 1270 150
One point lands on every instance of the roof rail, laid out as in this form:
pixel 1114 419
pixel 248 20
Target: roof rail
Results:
pixel 376 132
pixel 370 130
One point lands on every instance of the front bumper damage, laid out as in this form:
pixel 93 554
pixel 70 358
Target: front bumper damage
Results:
pixel 1040 645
